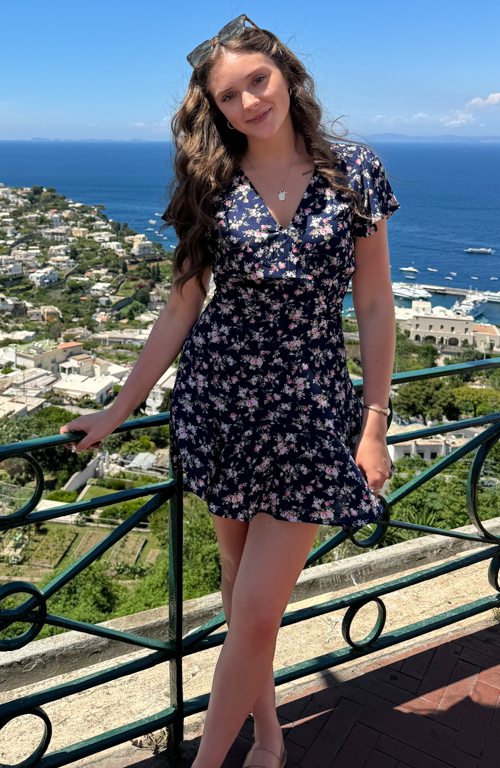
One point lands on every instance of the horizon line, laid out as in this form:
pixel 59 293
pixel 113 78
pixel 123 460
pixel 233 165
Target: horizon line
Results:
pixel 380 136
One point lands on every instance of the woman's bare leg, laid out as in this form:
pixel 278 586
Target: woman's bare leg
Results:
pixel 267 728
pixel 273 557
pixel 231 535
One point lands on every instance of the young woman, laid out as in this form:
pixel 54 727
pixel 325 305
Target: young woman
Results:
pixel 264 417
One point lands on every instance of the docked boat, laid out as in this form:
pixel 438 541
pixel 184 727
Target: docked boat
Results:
pixel 472 304
pixel 407 291
pixel 492 296
pixel 478 250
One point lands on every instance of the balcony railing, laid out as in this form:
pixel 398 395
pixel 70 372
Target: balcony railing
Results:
pixel 33 609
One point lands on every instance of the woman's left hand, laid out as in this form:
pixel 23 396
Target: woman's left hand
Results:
pixel 373 459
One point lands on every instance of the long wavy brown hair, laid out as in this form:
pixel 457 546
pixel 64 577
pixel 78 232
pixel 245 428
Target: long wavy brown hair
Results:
pixel 208 152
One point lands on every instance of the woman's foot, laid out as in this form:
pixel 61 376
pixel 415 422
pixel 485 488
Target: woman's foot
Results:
pixel 272 741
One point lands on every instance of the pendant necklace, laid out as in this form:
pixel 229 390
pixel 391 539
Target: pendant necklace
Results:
pixel 281 192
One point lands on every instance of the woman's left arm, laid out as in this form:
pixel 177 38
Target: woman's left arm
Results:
pixel 373 302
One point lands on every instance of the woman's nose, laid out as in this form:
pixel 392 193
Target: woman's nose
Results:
pixel 248 100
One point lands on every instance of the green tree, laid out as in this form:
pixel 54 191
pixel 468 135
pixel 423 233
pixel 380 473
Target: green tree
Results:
pixel 142 295
pixel 429 399
pixel 166 402
pixel 55 330
pixel 478 400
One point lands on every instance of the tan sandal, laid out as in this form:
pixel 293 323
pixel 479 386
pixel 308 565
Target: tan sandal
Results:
pixel 258 757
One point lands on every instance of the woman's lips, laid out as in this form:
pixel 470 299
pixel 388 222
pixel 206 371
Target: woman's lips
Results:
pixel 258 119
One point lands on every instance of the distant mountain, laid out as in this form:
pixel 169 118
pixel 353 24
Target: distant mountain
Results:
pixel 448 138
pixel 445 138
pixel 37 138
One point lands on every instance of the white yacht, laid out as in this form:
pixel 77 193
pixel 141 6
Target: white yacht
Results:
pixel 493 278
pixel 152 221
pixel 448 278
pixel 431 269
pixel 453 273
pixel 472 304
pixel 408 269
pixel 492 296
pixel 408 291
pixel 478 250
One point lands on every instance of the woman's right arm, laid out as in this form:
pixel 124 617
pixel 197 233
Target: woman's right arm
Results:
pixel 165 341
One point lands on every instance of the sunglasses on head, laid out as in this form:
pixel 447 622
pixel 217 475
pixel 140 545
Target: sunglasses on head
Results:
pixel 229 32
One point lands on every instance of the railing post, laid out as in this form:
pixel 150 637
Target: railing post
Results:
pixel 175 607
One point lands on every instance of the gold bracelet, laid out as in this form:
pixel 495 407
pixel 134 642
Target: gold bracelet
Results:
pixel 385 411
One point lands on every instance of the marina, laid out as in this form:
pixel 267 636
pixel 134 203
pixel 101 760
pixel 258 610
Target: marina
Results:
pixel 423 290
pixel 452 291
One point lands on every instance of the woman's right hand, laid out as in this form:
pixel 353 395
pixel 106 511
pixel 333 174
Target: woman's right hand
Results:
pixel 97 426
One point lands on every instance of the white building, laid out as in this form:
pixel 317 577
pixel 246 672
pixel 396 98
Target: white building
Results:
pixel 12 270
pixel 80 231
pixel 114 245
pixel 99 388
pixel 44 277
pixel 99 289
pixel 55 219
pixel 142 248
pixel 63 262
pixel 23 254
pixel 137 336
pixel 428 448
pixel 59 234
pixel 58 250
pixel 437 325
pixel 155 397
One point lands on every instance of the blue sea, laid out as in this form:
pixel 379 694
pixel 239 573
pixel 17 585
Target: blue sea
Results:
pixel 449 196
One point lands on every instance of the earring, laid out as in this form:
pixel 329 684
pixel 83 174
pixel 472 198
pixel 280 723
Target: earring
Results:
pixel 231 126
pixel 290 91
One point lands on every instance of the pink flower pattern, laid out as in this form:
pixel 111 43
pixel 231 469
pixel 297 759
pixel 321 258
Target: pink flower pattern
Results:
pixel 264 416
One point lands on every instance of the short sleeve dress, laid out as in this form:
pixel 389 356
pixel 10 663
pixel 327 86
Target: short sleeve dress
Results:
pixel 264 416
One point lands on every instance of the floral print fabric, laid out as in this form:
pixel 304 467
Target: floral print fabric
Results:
pixel 264 416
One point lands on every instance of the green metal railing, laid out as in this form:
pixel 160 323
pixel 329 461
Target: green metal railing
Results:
pixel 33 610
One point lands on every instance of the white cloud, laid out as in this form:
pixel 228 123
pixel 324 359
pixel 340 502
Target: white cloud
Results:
pixel 138 125
pixel 457 117
pixel 493 100
pixel 398 119
pixel 162 127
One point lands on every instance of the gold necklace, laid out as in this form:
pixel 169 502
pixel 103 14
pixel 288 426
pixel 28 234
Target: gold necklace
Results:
pixel 281 192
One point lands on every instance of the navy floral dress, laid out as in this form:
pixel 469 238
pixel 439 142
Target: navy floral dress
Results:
pixel 264 416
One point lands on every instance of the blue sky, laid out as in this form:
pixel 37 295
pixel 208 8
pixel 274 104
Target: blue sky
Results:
pixel 118 70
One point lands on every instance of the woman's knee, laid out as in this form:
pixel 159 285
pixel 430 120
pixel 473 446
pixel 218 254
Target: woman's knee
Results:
pixel 257 622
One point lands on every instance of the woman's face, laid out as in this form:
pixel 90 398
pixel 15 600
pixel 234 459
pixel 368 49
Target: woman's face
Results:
pixel 245 85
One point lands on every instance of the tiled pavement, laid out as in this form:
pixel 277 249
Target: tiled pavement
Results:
pixel 435 706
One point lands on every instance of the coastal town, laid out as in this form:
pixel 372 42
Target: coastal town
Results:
pixel 79 295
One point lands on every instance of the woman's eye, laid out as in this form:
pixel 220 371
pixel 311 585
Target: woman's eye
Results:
pixel 259 78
